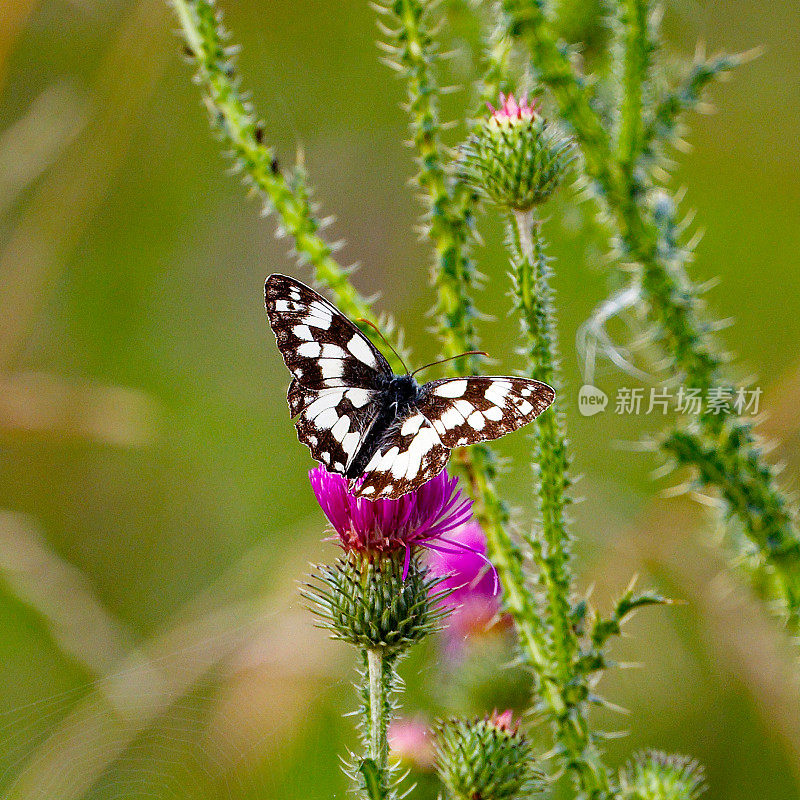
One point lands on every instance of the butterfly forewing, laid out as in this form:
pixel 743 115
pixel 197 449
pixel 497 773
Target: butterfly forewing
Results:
pixel 464 411
pixel 338 373
pixel 319 345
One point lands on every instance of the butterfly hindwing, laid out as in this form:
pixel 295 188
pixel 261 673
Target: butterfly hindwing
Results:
pixel 332 422
pixel 410 453
pixel 464 411
pixel 319 345
pixel 338 375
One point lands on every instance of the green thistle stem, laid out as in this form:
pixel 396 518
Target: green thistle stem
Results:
pixel 685 97
pixel 379 679
pixel 449 215
pixel 646 236
pixel 637 52
pixel 378 707
pixel 535 305
pixel 448 206
pixel 552 550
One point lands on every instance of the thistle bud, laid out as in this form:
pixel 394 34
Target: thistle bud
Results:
pixel 515 158
pixel 485 758
pixel 364 599
pixel 658 776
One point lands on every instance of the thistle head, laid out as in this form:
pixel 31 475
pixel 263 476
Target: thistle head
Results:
pixel 380 527
pixel 515 158
pixel 654 775
pixel 379 594
pixel 485 758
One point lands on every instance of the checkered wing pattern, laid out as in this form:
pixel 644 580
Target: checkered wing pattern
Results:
pixel 449 413
pixel 338 374
pixel 409 454
pixel 464 411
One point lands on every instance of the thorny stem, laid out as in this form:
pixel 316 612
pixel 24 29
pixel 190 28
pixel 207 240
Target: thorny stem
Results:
pixel 284 192
pixel 379 681
pixel 551 548
pixel 646 238
pixel 378 748
pixel 449 216
pixel 448 206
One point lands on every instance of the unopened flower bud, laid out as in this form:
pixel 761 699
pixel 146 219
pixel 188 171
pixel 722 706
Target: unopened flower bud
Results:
pixel 658 776
pixel 515 158
pixel 485 758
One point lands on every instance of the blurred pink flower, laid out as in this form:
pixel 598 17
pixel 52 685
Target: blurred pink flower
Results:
pixel 469 575
pixel 504 721
pixel 409 742
pixel 422 518
pixel 510 109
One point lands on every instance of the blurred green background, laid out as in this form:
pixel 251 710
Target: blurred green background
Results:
pixel 154 507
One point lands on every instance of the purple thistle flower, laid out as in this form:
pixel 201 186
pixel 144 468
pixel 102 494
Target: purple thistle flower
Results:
pixel 471 579
pixel 421 518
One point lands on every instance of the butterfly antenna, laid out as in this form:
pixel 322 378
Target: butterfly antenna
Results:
pixel 378 331
pixel 451 358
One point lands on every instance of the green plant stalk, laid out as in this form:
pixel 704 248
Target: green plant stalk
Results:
pixel 448 207
pixel 377 712
pixel 552 551
pixel 526 20
pixel 535 306
pixel 373 774
pixel 636 62
pixel 645 237
pixel 663 124
pixel 286 194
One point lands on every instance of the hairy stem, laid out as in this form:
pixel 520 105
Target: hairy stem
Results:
pixel 377 710
pixel 637 50
pixel 448 206
pixel 643 219
pixel 551 546
pixel 449 217
pixel 378 719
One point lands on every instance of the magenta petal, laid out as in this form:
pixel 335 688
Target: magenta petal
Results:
pixel 378 526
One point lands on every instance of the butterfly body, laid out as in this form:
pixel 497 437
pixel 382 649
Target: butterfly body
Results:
pixel 385 432
pixel 400 394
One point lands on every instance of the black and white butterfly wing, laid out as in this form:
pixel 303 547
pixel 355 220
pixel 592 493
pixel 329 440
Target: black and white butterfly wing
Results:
pixel 449 413
pixel 337 372
pixel 464 411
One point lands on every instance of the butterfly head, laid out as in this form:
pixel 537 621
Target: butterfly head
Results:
pixel 403 391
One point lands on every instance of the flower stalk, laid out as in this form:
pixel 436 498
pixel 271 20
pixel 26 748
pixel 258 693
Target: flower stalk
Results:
pixel 567 700
pixel 379 675
pixel 449 221
pixel 284 192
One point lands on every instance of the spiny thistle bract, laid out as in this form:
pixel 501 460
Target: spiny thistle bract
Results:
pixel 654 775
pixel 515 158
pixel 364 599
pixel 485 759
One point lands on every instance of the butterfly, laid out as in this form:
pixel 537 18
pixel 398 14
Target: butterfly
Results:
pixel 386 433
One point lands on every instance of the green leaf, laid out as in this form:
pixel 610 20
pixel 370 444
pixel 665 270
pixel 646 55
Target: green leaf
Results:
pixel 369 769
